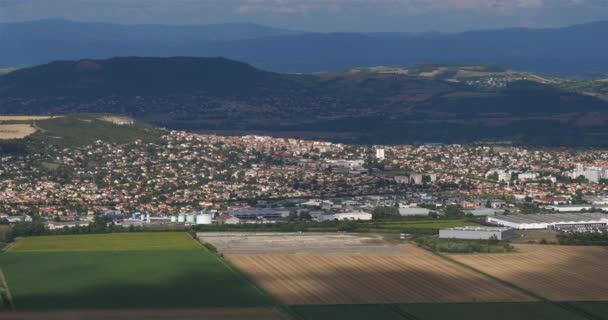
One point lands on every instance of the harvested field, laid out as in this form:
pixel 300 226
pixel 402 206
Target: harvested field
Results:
pixel 16 131
pixel 558 273
pixel 302 243
pixel 414 276
pixel 25 118
pixel 151 314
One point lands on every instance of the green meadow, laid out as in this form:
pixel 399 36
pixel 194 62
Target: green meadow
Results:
pixel 124 270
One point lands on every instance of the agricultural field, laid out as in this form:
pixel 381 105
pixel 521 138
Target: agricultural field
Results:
pixel 409 276
pixel 258 313
pixel 25 118
pixel 470 311
pixel 304 243
pixel 122 271
pixel 557 273
pixel 107 242
pixel 16 131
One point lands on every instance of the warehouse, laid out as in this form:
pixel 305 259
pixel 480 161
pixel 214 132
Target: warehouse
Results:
pixel 414 211
pixel 476 233
pixel 552 221
pixel 259 214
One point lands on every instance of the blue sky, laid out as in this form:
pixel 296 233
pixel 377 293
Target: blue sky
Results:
pixel 320 15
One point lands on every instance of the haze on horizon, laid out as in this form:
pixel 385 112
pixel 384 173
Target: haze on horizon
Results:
pixel 320 15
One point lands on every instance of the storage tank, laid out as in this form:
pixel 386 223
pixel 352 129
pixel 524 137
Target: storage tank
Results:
pixel 181 218
pixel 204 218
pixel 191 218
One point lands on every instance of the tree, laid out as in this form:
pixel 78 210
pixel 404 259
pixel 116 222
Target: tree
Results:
pixel 454 212
pixel 385 212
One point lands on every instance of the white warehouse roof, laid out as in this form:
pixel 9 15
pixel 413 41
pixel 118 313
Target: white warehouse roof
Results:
pixel 544 221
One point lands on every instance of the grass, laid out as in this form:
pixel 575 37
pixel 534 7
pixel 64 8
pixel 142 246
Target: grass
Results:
pixel 108 242
pixel 597 309
pixel 346 312
pixel 469 311
pixel 115 271
pixel 80 129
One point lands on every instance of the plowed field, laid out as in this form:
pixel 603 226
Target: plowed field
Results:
pixel 415 276
pixel 558 273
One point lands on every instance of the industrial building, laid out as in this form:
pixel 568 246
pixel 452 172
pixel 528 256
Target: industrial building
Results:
pixel 414 211
pixel 260 214
pixel 558 221
pixel 476 233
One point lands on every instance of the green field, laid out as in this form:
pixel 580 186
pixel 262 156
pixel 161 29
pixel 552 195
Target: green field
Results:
pixel 108 242
pixel 134 270
pixel 469 311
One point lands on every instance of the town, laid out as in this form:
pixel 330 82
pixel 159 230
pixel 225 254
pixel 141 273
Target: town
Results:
pixel 189 178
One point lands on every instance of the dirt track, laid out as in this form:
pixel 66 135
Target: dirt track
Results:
pixel 169 314
pixel 414 277
pixel 558 273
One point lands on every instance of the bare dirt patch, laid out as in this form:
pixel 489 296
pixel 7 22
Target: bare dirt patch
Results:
pixel 25 118
pixel 300 243
pixel 16 131
pixel 559 273
pixel 169 314
pixel 535 236
pixel 118 120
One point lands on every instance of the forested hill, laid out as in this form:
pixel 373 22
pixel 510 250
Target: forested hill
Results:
pixel 132 76
pixel 220 95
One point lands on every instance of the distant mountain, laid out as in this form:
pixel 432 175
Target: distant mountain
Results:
pixel 381 106
pixel 573 50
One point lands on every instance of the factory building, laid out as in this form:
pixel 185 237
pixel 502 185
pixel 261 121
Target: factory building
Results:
pixel 476 233
pixel 559 221
pixel 414 211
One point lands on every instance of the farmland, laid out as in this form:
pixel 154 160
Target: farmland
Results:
pixel 558 273
pixel 24 118
pixel 476 311
pixel 107 242
pixel 15 131
pixel 315 275
pixel 122 271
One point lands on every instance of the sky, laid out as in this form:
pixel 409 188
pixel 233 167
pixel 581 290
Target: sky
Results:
pixel 320 15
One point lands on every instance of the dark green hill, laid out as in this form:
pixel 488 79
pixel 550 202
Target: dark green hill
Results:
pixel 224 96
pixel 141 76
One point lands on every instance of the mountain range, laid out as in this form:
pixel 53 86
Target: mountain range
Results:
pixel 571 50
pixel 425 103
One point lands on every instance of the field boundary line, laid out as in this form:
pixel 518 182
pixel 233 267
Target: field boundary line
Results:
pixel 5 292
pixel 219 256
pixel 489 276
pixel 580 311
pixel 564 306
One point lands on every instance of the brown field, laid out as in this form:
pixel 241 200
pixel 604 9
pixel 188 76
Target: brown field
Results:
pixel 414 276
pixel 558 273
pixel 15 131
pixel 169 314
pixel 25 118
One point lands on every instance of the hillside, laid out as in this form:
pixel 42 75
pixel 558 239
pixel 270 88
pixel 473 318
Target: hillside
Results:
pixel 371 107
pixel 73 130
pixel 571 50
